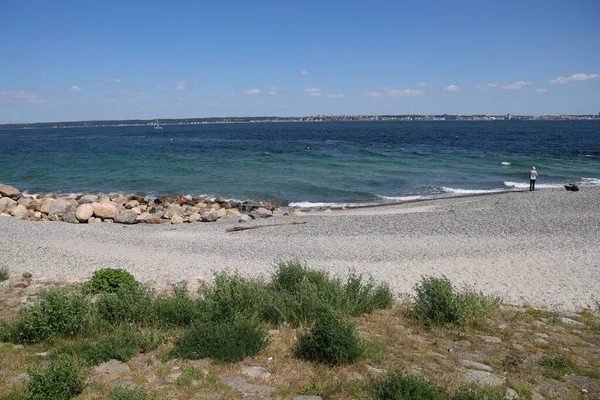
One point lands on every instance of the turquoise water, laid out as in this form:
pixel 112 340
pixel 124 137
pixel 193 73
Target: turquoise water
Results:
pixel 303 164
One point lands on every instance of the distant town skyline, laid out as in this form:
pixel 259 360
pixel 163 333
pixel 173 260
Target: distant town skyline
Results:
pixel 114 60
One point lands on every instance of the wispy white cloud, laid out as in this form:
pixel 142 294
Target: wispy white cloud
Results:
pixel 405 92
pixel 272 92
pixel 516 85
pixel 540 90
pixel 180 87
pixel 251 92
pixel 313 90
pixel 422 84
pixel 452 88
pixel 161 88
pixel 74 89
pixel 336 96
pixel 20 96
pixel 128 93
pixel 110 80
pixel 303 72
pixel 574 77
pixel 491 84
pixel 372 94
pixel 316 94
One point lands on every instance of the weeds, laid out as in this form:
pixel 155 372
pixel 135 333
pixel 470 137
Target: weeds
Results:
pixel 4 275
pixel 56 313
pixel 129 306
pixel 62 380
pixel 227 342
pixel 398 386
pixel 180 309
pixel 332 341
pixel 111 280
pixel 438 304
pixel 129 394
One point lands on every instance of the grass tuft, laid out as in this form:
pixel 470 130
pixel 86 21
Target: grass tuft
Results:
pixel 62 380
pixel 56 313
pixel 398 386
pixel 332 341
pixel 4 275
pixel 226 342
pixel 130 394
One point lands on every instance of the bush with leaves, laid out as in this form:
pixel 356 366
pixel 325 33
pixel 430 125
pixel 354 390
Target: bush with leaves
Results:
pixel 437 303
pixel 227 342
pixel 179 309
pixel 127 305
pixel 111 280
pixel 56 313
pixel 62 380
pixel 332 341
pixel 3 274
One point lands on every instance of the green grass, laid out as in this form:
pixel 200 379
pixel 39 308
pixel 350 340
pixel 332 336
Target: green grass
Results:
pixel 399 386
pixel 62 380
pixel 437 303
pixel 129 394
pixel 226 342
pixel 127 306
pixel 332 341
pixel 4 275
pixel 57 313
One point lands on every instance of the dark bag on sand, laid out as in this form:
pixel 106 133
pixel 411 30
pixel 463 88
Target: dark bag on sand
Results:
pixel 571 187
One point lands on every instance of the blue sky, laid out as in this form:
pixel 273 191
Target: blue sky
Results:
pixel 83 60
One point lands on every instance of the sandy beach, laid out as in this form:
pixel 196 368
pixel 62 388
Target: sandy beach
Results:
pixel 539 248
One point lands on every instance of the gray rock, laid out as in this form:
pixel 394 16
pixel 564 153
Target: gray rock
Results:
pixel 245 218
pixel 112 367
pixel 255 372
pixel 5 204
pixel 571 322
pixel 536 396
pixel 123 383
pixel 476 365
pixel 59 207
pixel 261 213
pixel 126 217
pixel 307 398
pixel 70 217
pixel 84 212
pixel 210 216
pixel 18 211
pixel 511 394
pixel 377 371
pixel 492 339
pixel 87 199
pixel 9 191
pixel 238 383
pixel 483 378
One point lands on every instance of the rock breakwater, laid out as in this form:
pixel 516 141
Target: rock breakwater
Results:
pixel 126 209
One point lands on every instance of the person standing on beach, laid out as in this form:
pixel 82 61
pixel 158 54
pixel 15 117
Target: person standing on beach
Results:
pixel 532 177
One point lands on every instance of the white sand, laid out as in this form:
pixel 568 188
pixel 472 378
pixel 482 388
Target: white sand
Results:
pixel 540 248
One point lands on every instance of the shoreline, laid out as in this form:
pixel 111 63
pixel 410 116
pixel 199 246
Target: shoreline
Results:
pixel 540 248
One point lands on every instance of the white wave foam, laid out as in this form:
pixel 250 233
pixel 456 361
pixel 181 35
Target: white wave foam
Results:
pixel 470 191
pixel 505 163
pixel 308 204
pixel 590 181
pixel 402 198
pixel 525 185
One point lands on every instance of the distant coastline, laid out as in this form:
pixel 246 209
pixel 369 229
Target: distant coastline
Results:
pixel 312 118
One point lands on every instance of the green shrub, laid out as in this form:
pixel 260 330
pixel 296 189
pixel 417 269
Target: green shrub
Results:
pixel 111 280
pixel 4 274
pixel 438 304
pixel 332 341
pixel 227 342
pixel 231 295
pixel 26 275
pixel 56 313
pixel 121 344
pixel 364 297
pixel 129 394
pixel 556 363
pixel 62 380
pixel 179 309
pixel 127 305
pixel 397 386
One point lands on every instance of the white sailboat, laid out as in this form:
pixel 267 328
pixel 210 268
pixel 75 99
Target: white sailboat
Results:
pixel 157 125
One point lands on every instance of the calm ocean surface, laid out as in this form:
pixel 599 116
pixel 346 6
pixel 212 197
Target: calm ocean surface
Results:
pixel 304 164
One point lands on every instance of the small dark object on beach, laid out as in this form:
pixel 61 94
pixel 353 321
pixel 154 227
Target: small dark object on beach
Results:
pixel 572 187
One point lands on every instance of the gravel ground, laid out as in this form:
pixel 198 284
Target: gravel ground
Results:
pixel 539 248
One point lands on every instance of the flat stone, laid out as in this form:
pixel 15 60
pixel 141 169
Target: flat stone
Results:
pixel 536 396
pixel 483 378
pixel 511 394
pixel 476 365
pixel 238 383
pixel 255 372
pixel 377 371
pixel 112 367
pixel 123 383
pixel 571 322
pixel 492 339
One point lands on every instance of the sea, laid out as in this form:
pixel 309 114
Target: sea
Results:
pixel 304 164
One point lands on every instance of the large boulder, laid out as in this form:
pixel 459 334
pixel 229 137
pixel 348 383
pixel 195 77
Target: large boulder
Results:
pixel 88 198
pixel 46 204
pixel 84 212
pixel 127 217
pixel 9 191
pixel 261 213
pixel 195 217
pixel 70 217
pixel 105 210
pixel 152 219
pixel 6 204
pixel 210 216
pixel 19 211
pixel 60 207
